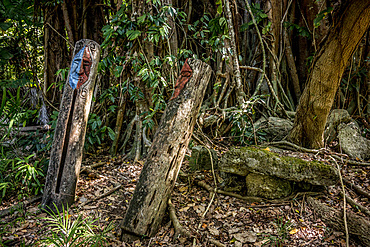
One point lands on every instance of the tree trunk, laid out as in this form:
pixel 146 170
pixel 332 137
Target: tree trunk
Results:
pixel 327 70
pixel 157 179
pixel 69 136
pixel 55 49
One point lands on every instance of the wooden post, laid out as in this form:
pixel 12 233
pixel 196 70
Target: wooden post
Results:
pixel 157 179
pixel 69 135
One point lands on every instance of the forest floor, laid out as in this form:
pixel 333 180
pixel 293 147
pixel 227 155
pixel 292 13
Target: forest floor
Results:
pixel 225 221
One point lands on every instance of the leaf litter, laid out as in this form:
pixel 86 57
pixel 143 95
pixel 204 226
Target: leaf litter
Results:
pixel 228 222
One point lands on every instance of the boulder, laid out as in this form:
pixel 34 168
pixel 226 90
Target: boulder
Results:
pixel 275 128
pixel 351 141
pixel 245 160
pixel 336 117
pixel 201 160
pixel 267 186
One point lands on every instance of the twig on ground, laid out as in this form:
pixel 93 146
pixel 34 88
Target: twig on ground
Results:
pixel 215 242
pixel 214 179
pixel 96 165
pixel 100 196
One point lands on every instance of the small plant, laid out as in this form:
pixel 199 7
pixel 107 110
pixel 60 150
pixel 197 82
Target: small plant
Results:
pixel 282 232
pixel 68 232
pixel 242 124
pixel 20 175
pixel 29 174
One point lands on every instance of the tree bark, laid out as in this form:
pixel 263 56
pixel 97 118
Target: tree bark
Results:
pixel 55 49
pixel 327 70
pixel 157 179
pixel 234 57
pixel 69 136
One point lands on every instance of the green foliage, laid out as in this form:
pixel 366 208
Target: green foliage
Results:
pixel 320 16
pixel 242 124
pixel 20 44
pixel 97 133
pixel 125 32
pixel 61 79
pixel 78 232
pixel 21 176
pixel 259 15
pixel 302 31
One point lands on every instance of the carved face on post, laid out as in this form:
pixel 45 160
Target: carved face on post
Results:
pixel 80 68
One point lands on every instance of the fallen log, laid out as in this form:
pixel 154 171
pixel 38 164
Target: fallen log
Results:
pixel 157 179
pixel 357 226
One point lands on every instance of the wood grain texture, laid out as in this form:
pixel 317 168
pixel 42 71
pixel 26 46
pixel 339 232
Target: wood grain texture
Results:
pixel 157 179
pixel 69 136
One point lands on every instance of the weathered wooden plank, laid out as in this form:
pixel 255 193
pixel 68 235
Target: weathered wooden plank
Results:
pixel 69 135
pixel 157 179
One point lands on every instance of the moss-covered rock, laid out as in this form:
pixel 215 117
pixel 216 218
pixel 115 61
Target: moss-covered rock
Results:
pixel 245 160
pixel 201 159
pixel 267 186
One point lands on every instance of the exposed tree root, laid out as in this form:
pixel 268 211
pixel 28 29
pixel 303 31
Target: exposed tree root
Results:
pixel 179 229
pixel 356 205
pixel 356 188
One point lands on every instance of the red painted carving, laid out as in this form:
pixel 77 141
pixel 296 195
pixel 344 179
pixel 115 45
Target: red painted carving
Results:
pixel 83 74
pixel 185 75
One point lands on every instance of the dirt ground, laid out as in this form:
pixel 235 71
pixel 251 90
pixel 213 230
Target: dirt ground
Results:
pixel 223 221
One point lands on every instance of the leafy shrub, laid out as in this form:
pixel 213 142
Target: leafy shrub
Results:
pixel 68 232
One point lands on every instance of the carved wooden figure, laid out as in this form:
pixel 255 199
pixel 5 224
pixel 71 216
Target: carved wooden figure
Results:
pixel 157 179
pixel 69 135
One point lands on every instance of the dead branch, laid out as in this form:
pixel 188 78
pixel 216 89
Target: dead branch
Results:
pixel 100 196
pixel 88 168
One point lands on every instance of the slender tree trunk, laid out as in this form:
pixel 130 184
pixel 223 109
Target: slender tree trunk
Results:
pixel 317 99
pixel 234 57
pixel 67 23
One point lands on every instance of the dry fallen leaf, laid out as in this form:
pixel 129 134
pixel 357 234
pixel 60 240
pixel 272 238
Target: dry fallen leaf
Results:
pixel 294 231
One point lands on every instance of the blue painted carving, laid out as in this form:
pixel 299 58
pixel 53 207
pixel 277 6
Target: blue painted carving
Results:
pixel 80 68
